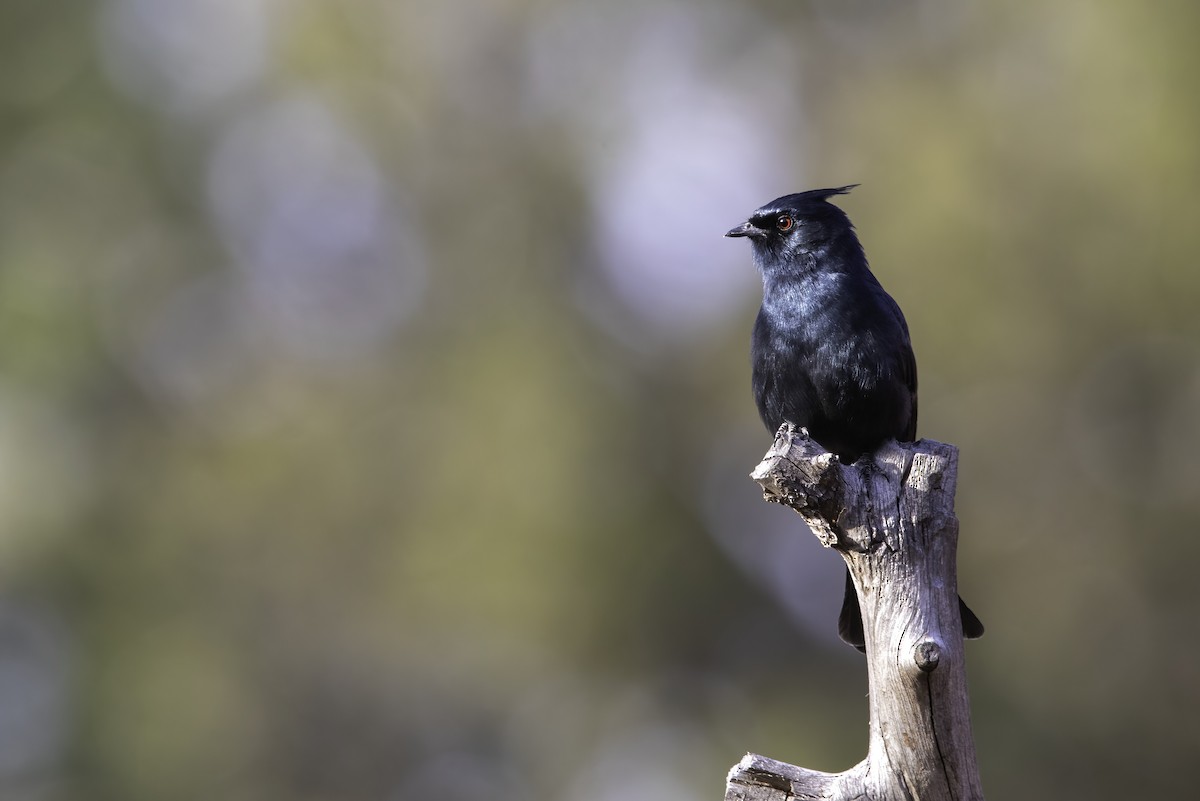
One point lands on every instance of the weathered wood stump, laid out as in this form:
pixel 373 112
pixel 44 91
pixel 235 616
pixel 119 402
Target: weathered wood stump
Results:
pixel 891 517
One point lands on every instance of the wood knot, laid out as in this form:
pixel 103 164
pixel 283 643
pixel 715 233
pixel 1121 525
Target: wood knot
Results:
pixel 927 654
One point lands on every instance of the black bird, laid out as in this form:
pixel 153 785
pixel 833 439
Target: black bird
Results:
pixel 830 350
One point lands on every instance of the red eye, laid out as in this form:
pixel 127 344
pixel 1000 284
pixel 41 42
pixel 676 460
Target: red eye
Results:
pixel 785 222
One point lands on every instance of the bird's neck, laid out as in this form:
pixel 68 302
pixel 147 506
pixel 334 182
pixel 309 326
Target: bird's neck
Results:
pixel 840 254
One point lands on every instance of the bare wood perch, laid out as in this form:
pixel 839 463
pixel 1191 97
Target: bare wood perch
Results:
pixel 892 519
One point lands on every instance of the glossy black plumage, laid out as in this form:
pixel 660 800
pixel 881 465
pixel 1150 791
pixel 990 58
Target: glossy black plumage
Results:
pixel 830 349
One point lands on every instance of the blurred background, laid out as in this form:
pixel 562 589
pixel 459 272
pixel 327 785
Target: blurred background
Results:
pixel 374 393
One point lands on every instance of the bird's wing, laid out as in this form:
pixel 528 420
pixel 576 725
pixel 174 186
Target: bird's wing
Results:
pixel 910 375
pixel 908 371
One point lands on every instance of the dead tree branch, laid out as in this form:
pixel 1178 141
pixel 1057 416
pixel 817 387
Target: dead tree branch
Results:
pixel 892 519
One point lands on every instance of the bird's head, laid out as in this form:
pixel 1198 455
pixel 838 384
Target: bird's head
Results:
pixel 794 225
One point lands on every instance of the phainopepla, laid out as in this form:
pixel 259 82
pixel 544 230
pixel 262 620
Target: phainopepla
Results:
pixel 830 349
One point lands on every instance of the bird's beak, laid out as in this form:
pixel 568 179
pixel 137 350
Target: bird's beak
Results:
pixel 745 229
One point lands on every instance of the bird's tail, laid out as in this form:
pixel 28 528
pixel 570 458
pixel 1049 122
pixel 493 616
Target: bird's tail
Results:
pixel 850 625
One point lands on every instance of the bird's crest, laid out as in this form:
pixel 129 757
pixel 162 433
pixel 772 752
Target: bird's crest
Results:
pixel 805 200
pixel 824 194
